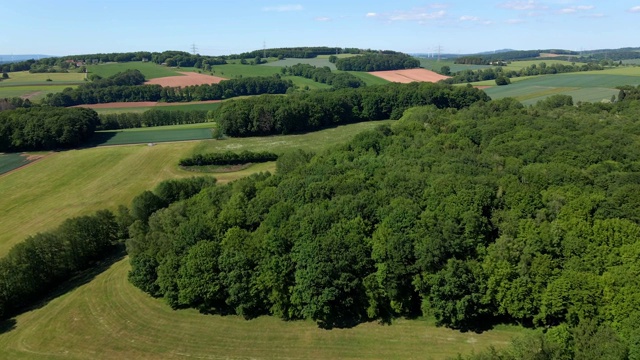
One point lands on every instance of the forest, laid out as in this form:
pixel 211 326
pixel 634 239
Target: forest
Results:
pixel 45 128
pixel 377 62
pixel 301 112
pixel 495 213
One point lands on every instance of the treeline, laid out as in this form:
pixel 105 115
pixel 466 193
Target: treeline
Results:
pixel 523 54
pixel 377 62
pixel 612 54
pixel 101 91
pixel 628 93
pixel 36 266
pixel 170 58
pixel 228 89
pixel 324 75
pixel 471 60
pixel 14 103
pixel 150 118
pixel 300 112
pixel 467 76
pixel 490 214
pixel 45 128
pixel 229 158
pixel 295 52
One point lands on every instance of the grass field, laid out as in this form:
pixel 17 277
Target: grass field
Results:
pixel 148 69
pixel 108 318
pixel 517 65
pixel 27 78
pixel 33 92
pixel 434 65
pixel 319 62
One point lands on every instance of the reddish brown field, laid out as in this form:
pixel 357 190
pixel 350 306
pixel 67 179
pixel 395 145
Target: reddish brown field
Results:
pixel 410 75
pixel 141 104
pixel 187 79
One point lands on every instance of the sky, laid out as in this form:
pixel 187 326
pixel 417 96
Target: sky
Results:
pixel 235 26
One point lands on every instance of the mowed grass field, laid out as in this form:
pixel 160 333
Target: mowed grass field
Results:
pixel 108 318
pixel 27 78
pixel 148 69
pixel 434 64
pixel 150 135
pixel 164 106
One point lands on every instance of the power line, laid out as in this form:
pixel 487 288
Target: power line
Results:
pixel 194 49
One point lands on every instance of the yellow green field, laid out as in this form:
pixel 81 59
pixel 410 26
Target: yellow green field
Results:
pixel 27 78
pixel 108 318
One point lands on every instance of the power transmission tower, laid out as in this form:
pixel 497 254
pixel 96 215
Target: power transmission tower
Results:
pixel 439 51
pixel 194 49
pixel 264 49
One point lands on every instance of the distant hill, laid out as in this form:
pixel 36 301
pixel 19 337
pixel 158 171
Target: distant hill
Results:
pixel 13 58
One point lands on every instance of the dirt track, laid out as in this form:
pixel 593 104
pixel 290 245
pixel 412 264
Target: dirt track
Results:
pixel 186 79
pixel 410 75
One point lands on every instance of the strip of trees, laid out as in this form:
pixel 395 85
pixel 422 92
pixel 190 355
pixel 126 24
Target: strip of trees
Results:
pixel 35 267
pixel 324 75
pixel 153 117
pixel 467 76
pixel 300 112
pixel 45 128
pixel 229 158
pixel 377 62
pixel 125 88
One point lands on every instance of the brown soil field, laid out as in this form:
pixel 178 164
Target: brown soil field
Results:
pixel 548 55
pixel 142 104
pixel 410 75
pixel 187 79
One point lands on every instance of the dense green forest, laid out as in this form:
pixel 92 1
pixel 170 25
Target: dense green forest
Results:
pixel 483 215
pixel 228 158
pixel 152 117
pixel 300 112
pixel 45 128
pixel 377 62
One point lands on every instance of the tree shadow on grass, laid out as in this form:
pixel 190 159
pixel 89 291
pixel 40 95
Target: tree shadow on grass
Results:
pixel 79 279
pixel 7 325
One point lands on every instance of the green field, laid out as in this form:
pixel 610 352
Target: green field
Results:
pixel 27 78
pixel 148 69
pixel 148 135
pixel 108 318
pixel 33 92
pixel 517 65
pixel 588 86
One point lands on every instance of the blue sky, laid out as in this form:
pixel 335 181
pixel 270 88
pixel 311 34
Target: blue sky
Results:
pixel 225 27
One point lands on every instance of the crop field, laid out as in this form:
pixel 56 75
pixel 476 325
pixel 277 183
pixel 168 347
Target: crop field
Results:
pixel 230 71
pixel 148 69
pixel 149 135
pixel 108 318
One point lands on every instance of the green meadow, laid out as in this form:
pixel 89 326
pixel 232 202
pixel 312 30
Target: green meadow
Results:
pixel 27 78
pixel 165 106
pixel 148 69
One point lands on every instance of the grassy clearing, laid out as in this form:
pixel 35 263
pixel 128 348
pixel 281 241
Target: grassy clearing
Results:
pixel 368 78
pixel 231 71
pixel 314 141
pixel 108 318
pixel 148 69
pixel 167 106
pixel 517 65
pixel 435 65
pixel 27 78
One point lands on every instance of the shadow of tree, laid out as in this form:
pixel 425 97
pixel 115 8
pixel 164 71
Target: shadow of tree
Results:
pixel 7 325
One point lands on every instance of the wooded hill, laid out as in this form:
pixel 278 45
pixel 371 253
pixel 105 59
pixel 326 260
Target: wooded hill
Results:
pixel 490 214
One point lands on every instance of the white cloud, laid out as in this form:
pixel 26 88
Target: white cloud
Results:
pixel 323 18
pixel 635 9
pixel 469 18
pixel 514 21
pixel 522 5
pixel 420 15
pixel 575 9
pixel 283 8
